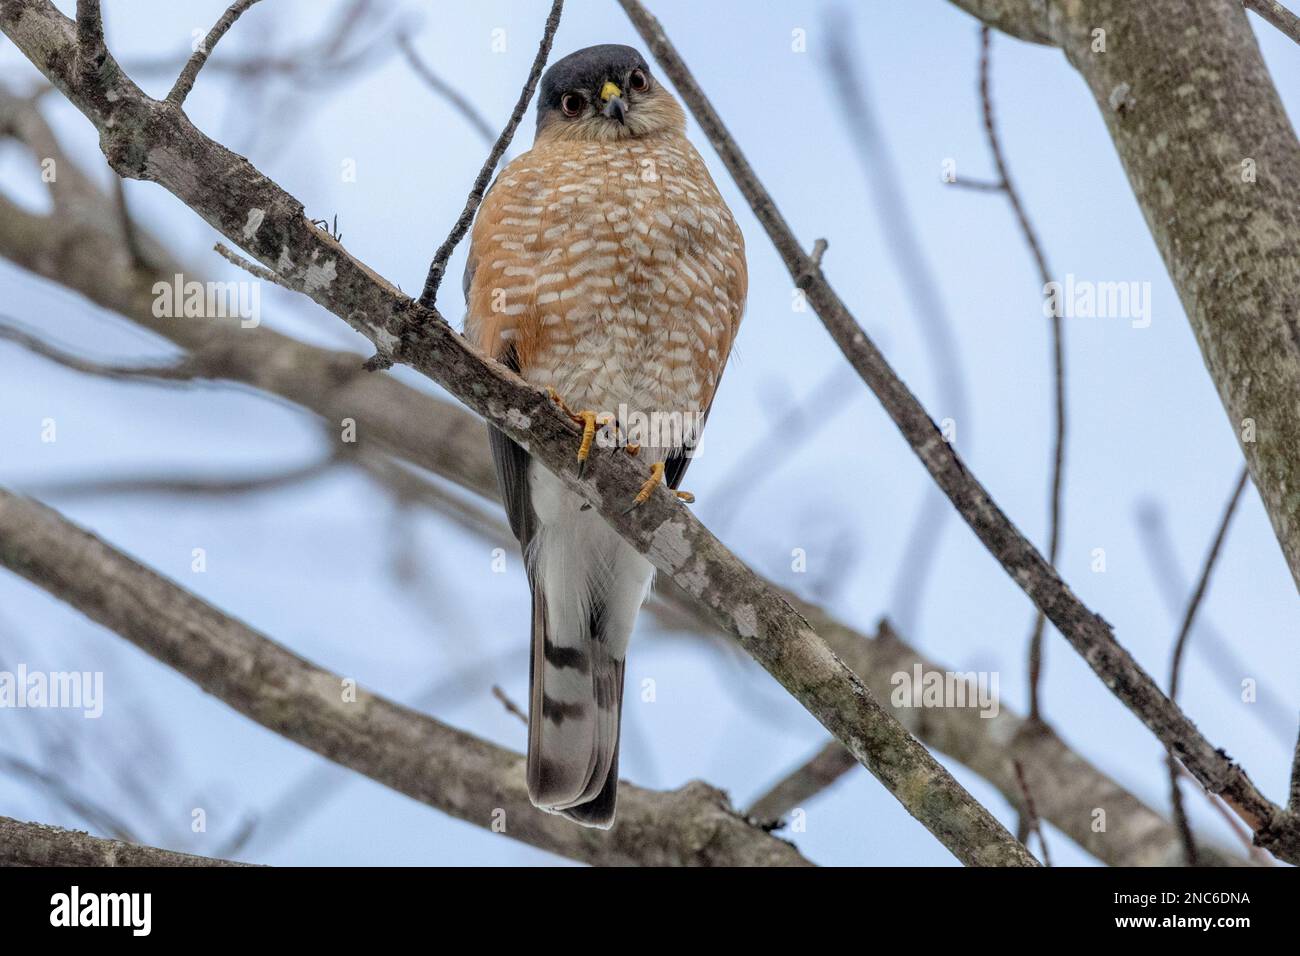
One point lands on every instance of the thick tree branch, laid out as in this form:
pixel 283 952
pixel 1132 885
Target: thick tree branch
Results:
pixel 1028 20
pixel 146 139
pixel 1086 631
pixel 453 771
pixel 35 844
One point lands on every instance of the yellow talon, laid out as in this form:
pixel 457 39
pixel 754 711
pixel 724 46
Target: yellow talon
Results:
pixel 588 420
pixel 656 476
pixel 555 397
pixel 647 489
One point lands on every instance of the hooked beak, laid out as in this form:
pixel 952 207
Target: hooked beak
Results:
pixel 616 109
pixel 615 106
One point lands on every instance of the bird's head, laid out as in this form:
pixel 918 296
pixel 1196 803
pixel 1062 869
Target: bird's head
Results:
pixel 604 93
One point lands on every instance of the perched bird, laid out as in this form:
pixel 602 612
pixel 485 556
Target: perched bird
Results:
pixel 605 267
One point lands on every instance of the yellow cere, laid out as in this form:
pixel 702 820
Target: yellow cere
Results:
pixel 609 90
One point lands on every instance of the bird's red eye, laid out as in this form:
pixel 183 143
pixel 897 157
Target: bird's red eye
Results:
pixel 638 82
pixel 571 103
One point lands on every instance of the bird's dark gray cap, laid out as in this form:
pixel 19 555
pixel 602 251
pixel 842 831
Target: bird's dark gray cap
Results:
pixel 586 69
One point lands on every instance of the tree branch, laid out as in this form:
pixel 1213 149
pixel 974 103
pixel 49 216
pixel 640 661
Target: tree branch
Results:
pixel 90 38
pixel 1058 360
pixel 1029 813
pixel 804 782
pixel 35 844
pixel 1086 631
pixel 143 138
pixel 1028 20
pixel 453 771
pixel 458 100
pixel 1176 659
pixel 1232 261
pixel 1278 15
pixel 12 331
pixel 190 73
pixel 429 297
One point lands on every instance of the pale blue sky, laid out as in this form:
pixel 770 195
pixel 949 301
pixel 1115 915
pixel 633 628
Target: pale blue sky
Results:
pixel 310 565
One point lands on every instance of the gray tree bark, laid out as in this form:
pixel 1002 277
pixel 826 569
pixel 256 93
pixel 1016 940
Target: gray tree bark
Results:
pixel 1215 167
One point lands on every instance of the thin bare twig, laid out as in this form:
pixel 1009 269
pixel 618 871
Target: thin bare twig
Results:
pixel 978 185
pixel 429 297
pixel 184 485
pixel 801 784
pixel 1257 856
pixel 455 97
pixel 1176 661
pixel 1030 814
pixel 185 82
pixel 1225 663
pixel 58 788
pixel 923 289
pixel 510 706
pixel 1058 360
pixel 180 370
pixel 252 268
pixel 1278 15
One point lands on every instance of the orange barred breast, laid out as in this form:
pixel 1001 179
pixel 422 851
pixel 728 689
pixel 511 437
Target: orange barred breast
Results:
pixel 615 272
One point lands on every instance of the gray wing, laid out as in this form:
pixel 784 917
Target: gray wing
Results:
pixel 510 460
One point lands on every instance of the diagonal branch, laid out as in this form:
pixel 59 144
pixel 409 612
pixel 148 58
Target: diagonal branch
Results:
pixel 1086 631
pixel 446 768
pixel 459 102
pixel 35 844
pixel 190 72
pixel 1176 659
pixel 807 780
pixel 1278 15
pixel 429 297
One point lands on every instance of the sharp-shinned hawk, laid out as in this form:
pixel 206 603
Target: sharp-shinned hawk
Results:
pixel 605 266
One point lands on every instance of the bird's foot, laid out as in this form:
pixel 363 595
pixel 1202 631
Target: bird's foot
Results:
pixel 647 489
pixel 588 419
